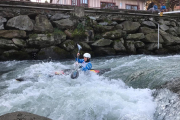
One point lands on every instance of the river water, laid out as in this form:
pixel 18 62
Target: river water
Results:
pixel 127 92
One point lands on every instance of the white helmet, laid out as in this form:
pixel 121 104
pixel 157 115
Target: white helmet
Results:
pixel 87 55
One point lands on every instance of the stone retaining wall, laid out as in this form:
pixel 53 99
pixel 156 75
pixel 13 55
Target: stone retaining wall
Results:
pixel 42 31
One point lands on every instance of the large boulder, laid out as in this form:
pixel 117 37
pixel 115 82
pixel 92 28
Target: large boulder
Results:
pixel 19 42
pixel 118 19
pixel 153 46
pixel 178 31
pixel 164 27
pixel 54 53
pixel 22 116
pixel 59 16
pixel 103 51
pixel 85 46
pixel 45 40
pixel 15 55
pixel 139 44
pixel 169 39
pixel 146 30
pixel 68 45
pixel 102 43
pixel 174 49
pixel 42 24
pixel 130 45
pixel 173 31
pixel 102 29
pixel 6 14
pixel 117 34
pixel 12 34
pixel 153 38
pixel 148 24
pixel 119 45
pixel 2 20
pixel 64 24
pixel 7 44
pixel 130 27
pixel 136 36
pixel 22 22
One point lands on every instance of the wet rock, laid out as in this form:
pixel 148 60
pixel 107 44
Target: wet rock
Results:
pixel 173 31
pixel 149 24
pixel 144 51
pixel 31 50
pixel 103 51
pixel 153 38
pixel 42 24
pixel 6 14
pixel 117 34
pixel 103 23
pixel 130 27
pixel 153 46
pixel 22 22
pixel 169 39
pixel 162 51
pixel 45 40
pixel 22 116
pixel 118 19
pixel 68 33
pixel 102 43
pixel 85 46
pixel 139 44
pixel 54 53
pixel 164 27
pixel 2 20
pixel 119 26
pixel 146 30
pixel 64 24
pixel 12 34
pixel 68 45
pixel 130 45
pixel 136 36
pixel 15 55
pixel 19 42
pixel 119 45
pixel 7 44
pixel 59 16
pixel 102 29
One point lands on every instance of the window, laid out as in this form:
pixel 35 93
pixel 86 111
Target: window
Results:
pixel 132 7
pixel 80 3
pixel 105 5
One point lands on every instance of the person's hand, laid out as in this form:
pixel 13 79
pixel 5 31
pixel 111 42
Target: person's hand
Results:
pixel 78 54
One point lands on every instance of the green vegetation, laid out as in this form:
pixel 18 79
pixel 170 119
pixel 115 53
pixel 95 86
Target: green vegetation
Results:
pixel 79 32
pixel 58 32
pixel 33 36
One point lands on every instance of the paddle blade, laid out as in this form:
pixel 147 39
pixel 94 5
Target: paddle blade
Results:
pixel 74 74
pixel 79 47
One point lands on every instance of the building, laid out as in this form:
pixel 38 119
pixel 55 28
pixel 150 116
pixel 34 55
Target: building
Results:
pixel 103 4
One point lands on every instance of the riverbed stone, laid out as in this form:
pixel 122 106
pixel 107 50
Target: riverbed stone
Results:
pixel 59 16
pixel 21 22
pixel 114 34
pixel 12 34
pixel 130 27
pixel 64 24
pixel 54 53
pixel 136 36
pixel 42 24
pixel 7 44
pixel 102 43
pixel 19 115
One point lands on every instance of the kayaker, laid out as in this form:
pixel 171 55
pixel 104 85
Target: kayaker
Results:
pixel 85 63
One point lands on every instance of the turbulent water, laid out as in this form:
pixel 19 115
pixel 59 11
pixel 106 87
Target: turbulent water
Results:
pixel 124 93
